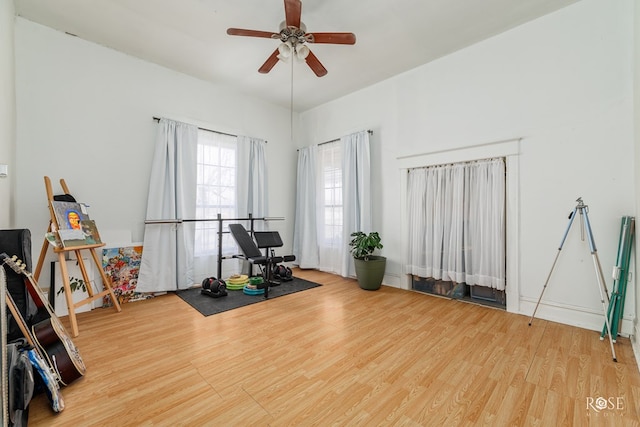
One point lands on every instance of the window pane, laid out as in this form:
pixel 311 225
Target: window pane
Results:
pixel 227 176
pixel 331 183
pixel 227 197
pixel 216 189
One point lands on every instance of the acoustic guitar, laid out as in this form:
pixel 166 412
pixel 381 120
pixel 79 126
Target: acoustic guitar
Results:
pixel 46 372
pixel 50 335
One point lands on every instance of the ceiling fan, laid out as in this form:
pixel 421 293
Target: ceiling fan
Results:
pixel 294 37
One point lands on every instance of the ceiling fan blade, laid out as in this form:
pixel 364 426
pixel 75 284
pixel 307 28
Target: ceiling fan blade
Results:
pixel 333 38
pixel 251 33
pixel 269 63
pixel 292 12
pixel 315 65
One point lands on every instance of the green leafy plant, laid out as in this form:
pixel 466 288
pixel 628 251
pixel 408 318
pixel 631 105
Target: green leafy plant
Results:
pixel 363 244
pixel 74 285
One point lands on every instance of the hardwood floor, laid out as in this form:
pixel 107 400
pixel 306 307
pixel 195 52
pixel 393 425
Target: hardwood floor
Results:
pixel 338 355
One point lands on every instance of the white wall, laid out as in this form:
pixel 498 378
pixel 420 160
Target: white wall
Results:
pixel 563 83
pixel 85 115
pixel 7 110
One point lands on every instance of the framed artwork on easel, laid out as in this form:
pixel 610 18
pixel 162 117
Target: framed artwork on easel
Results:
pixel 69 216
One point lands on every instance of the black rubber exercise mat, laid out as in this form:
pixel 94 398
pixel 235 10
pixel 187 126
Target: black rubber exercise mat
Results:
pixel 208 306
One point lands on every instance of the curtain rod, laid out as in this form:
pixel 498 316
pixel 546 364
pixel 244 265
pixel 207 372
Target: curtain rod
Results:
pixel 157 119
pixel 338 139
pixel 369 131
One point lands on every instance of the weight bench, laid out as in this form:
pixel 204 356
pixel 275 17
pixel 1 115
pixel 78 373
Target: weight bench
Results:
pixel 266 240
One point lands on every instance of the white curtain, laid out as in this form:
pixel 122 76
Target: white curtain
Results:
pixel 456 223
pixel 251 178
pixel 305 235
pixel 485 230
pixel 167 257
pixel 334 180
pixel 356 193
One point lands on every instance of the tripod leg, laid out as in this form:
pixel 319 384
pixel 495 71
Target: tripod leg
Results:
pixel 601 283
pixel 545 285
pixel 564 237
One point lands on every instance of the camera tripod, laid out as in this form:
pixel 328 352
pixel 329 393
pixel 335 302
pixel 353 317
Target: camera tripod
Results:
pixel 583 210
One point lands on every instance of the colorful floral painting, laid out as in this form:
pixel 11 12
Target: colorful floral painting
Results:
pixel 121 266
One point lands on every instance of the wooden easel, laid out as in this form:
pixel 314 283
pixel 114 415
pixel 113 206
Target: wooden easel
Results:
pixel 54 226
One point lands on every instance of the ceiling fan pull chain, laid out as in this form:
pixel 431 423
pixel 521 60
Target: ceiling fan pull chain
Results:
pixel 291 104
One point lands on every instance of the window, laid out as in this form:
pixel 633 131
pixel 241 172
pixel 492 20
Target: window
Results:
pixel 331 224
pixel 216 190
pixel 334 199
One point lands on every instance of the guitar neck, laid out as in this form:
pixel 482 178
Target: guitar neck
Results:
pixel 31 284
pixel 19 320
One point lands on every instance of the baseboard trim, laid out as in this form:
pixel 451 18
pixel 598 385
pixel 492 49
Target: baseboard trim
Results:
pixel 635 345
pixel 582 317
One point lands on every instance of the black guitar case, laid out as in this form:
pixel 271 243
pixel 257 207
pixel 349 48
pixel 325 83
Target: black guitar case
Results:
pixel 21 383
pixel 18 242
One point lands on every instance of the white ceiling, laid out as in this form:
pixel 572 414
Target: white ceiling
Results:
pixel 392 36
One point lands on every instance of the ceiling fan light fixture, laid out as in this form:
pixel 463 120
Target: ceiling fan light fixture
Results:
pixel 285 50
pixel 302 52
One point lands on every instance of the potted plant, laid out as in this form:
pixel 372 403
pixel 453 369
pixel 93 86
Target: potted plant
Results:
pixel 369 268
